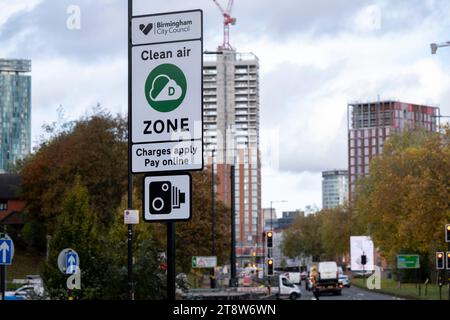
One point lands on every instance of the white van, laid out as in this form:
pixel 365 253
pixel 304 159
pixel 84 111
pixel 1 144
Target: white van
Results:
pixel 328 277
pixel 284 288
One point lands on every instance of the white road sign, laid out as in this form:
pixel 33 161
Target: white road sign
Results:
pixel 204 262
pixel 167 90
pixel 131 217
pixel 167 198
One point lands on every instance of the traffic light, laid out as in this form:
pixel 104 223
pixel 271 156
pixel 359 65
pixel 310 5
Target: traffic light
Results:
pixel 448 260
pixel 270 267
pixel 439 261
pixel 363 259
pixel 269 239
pixel 447 233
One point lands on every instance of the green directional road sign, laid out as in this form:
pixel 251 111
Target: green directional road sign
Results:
pixel 408 261
pixel 165 88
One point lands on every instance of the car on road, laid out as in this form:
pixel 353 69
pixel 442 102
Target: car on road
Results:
pixel 284 288
pixel 328 278
pixel 344 281
pixel 26 292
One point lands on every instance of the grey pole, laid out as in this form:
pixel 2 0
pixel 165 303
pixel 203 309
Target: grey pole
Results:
pixel 3 281
pixel 171 261
pixel 130 176
pixel 213 221
pixel 233 282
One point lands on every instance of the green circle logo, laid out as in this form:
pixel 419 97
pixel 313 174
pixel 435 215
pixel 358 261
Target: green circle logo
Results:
pixel 165 88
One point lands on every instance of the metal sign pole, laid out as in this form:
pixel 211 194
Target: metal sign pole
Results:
pixel 171 261
pixel 233 282
pixel 213 223
pixel 130 176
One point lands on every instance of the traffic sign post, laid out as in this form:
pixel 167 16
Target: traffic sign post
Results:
pixel 410 261
pixel 165 112
pixel 6 256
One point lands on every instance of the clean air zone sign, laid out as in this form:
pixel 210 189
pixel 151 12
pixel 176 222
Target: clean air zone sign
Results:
pixel 167 88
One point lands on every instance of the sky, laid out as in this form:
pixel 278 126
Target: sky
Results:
pixel 315 57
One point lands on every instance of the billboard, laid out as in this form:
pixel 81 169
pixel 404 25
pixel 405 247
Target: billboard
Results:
pixel 359 246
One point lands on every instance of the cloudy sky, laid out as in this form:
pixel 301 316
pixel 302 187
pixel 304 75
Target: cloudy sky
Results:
pixel 315 57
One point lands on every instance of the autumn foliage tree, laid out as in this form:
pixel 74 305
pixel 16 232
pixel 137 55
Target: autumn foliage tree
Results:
pixel 94 151
pixel 405 200
pixel 324 234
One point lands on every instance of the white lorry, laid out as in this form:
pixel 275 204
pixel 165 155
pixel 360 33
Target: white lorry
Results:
pixel 282 287
pixel 328 277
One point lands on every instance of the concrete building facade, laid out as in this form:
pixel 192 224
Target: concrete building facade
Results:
pixel 231 137
pixel 334 188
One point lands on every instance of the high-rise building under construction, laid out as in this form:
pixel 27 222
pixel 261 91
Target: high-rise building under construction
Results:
pixel 231 137
pixel 370 124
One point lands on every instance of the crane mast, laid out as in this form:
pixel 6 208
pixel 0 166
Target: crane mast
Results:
pixel 227 21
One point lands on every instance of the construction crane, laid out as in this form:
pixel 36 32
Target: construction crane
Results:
pixel 227 21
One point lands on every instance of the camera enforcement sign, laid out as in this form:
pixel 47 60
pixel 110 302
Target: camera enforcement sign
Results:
pixel 167 198
pixel 166 92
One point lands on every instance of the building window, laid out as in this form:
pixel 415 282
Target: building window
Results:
pixel 3 206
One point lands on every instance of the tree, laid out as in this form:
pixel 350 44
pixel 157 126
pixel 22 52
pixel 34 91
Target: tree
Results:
pixel 193 238
pixel 303 237
pixel 405 199
pixel 149 280
pixel 335 231
pixel 75 229
pixel 94 149
pixel 323 235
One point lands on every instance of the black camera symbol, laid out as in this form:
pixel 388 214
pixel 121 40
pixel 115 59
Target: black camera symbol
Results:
pixel 164 197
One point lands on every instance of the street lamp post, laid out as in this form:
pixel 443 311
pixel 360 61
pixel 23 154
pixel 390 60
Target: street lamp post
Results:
pixel 435 46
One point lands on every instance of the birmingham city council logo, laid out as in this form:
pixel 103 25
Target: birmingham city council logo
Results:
pixel 165 88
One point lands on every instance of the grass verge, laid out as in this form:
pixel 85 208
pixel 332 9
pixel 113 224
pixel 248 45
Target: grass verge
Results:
pixel 406 290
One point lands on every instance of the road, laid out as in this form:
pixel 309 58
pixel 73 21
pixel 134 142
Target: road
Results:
pixel 351 293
